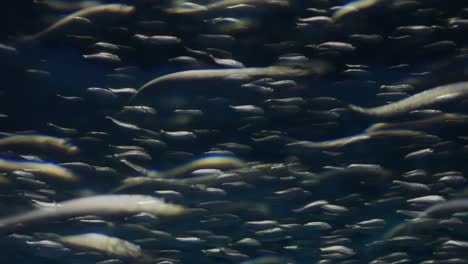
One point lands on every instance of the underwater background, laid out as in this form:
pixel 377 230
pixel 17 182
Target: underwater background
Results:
pixel 234 131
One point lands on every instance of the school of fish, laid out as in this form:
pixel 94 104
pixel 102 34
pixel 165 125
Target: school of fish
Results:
pixel 234 131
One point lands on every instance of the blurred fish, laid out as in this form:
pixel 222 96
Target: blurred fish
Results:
pixel 342 142
pixel 443 119
pixel 88 12
pixel 231 25
pixel 110 245
pixel 210 162
pixel 439 94
pixel 98 205
pixel 185 8
pixel 103 57
pixel 44 168
pixel 357 6
pixel 67 5
pixel 189 77
pixel 257 152
pixel 40 141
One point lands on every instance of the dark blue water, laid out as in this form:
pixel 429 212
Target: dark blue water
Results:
pixel 31 101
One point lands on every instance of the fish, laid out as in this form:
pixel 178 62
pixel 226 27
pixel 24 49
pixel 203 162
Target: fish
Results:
pixel 257 131
pixel 350 140
pixel 190 76
pixel 110 245
pixel 200 163
pixel 44 168
pixel 40 141
pixel 445 208
pixel 94 10
pixel 103 57
pixel 67 5
pixel 216 6
pixel 440 94
pixel 443 119
pixel 179 176
pixel 440 209
pixel 98 205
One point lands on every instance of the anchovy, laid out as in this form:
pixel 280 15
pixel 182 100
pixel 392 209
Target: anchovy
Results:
pixel 421 123
pixel 345 141
pixel 38 140
pixel 45 168
pixel 110 245
pixel 225 3
pixel 97 205
pixel 221 74
pixel 84 13
pixel 211 162
pixel 439 94
pixel 434 211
